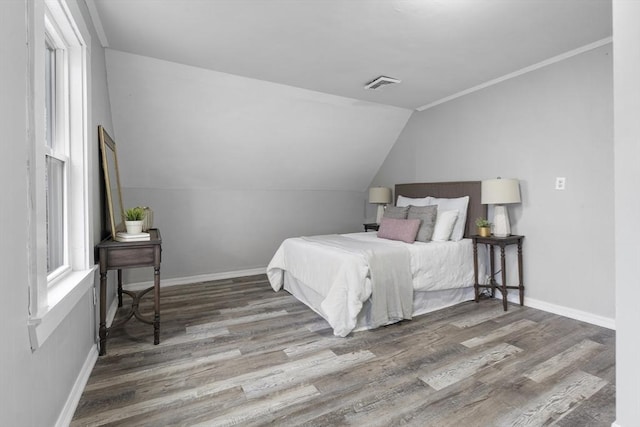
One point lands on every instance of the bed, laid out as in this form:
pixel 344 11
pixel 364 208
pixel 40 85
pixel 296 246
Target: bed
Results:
pixel 359 281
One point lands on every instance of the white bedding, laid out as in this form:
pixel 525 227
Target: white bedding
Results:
pixel 389 277
pixel 340 270
pixel 436 265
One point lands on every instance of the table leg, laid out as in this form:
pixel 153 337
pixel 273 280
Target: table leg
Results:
pixel 521 284
pixel 103 312
pixel 503 266
pixel 492 269
pixel 475 270
pixel 119 287
pixel 156 297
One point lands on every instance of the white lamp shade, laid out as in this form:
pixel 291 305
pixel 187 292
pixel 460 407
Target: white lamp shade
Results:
pixel 500 191
pixel 379 195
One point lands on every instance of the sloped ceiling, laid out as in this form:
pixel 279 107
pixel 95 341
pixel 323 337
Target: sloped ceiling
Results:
pixel 183 127
pixel 436 47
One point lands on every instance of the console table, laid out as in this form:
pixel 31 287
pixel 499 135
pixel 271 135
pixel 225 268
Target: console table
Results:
pixel 501 242
pixel 118 255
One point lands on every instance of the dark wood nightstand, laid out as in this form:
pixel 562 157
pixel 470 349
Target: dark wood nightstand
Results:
pixel 371 226
pixel 500 242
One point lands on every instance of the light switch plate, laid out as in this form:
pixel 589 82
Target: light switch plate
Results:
pixel 561 183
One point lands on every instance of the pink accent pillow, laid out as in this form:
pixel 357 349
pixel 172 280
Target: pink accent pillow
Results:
pixel 404 230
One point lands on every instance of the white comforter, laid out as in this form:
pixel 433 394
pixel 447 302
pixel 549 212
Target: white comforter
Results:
pixel 341 268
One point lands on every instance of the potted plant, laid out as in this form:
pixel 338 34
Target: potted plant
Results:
pixel 133 220
pixel 484 227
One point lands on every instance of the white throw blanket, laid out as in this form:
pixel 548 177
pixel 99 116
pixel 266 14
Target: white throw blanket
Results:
pixel 346 272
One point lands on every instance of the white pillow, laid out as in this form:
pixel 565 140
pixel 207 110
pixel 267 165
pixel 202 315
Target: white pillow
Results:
pixel 408 201
pixel 445 222
pixel 459 204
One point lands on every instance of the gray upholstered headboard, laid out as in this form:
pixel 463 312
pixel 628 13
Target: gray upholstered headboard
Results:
pixel 449 190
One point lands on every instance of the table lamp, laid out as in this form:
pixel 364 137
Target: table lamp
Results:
pixel 380 196
pixel 500 192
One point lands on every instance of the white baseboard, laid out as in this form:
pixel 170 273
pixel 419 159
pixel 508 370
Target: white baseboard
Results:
pixel 195 279
pixel 571 313
pixel 615 424
pixel 78 387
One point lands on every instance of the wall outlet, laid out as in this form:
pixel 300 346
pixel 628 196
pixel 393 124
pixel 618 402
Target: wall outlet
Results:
pixel 560 183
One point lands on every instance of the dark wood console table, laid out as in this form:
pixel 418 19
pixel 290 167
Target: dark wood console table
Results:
pixel 500 242
pixel 118 255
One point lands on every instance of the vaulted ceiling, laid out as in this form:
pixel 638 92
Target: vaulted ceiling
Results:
pixel 436 47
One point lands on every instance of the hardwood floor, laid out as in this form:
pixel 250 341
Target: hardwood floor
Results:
pixel 234 352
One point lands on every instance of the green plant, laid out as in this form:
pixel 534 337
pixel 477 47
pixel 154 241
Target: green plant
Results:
pixel 481 222
pixel 134 214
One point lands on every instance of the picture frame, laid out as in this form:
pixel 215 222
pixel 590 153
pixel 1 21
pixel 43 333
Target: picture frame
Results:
pixel 115 208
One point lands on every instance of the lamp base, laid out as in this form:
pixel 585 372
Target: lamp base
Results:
pixel 380 214
pixel 501 226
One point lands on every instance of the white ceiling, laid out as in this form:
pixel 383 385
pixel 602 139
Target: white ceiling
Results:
pixel 436 47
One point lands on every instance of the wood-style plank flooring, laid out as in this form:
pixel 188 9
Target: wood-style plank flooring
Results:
pixel 233 352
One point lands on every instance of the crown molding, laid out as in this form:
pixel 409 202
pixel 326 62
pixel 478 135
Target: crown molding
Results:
pixel 520 72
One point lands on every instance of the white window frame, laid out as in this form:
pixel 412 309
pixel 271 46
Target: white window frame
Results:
pixel 60 143
pixel 54 295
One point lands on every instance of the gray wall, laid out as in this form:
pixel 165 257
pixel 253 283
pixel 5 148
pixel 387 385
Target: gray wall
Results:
pixel 555 121
pixel 626 33
pixel 231 166
pixel 34 386
pixel 100 114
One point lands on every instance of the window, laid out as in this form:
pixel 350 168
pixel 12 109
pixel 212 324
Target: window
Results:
pixel 56 157
pixel 60 244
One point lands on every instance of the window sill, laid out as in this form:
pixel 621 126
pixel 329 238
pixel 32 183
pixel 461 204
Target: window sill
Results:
pixel 62 297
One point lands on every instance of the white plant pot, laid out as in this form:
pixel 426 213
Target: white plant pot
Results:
pixel 133 227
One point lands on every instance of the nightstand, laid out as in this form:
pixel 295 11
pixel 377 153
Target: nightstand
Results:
pixel 371 226
pixel 498 242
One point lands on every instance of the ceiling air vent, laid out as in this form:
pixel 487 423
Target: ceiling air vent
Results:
pixel 381 81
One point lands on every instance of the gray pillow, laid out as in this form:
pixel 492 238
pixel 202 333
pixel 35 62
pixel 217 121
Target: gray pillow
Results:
pixel 396 212
pixel 428 216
